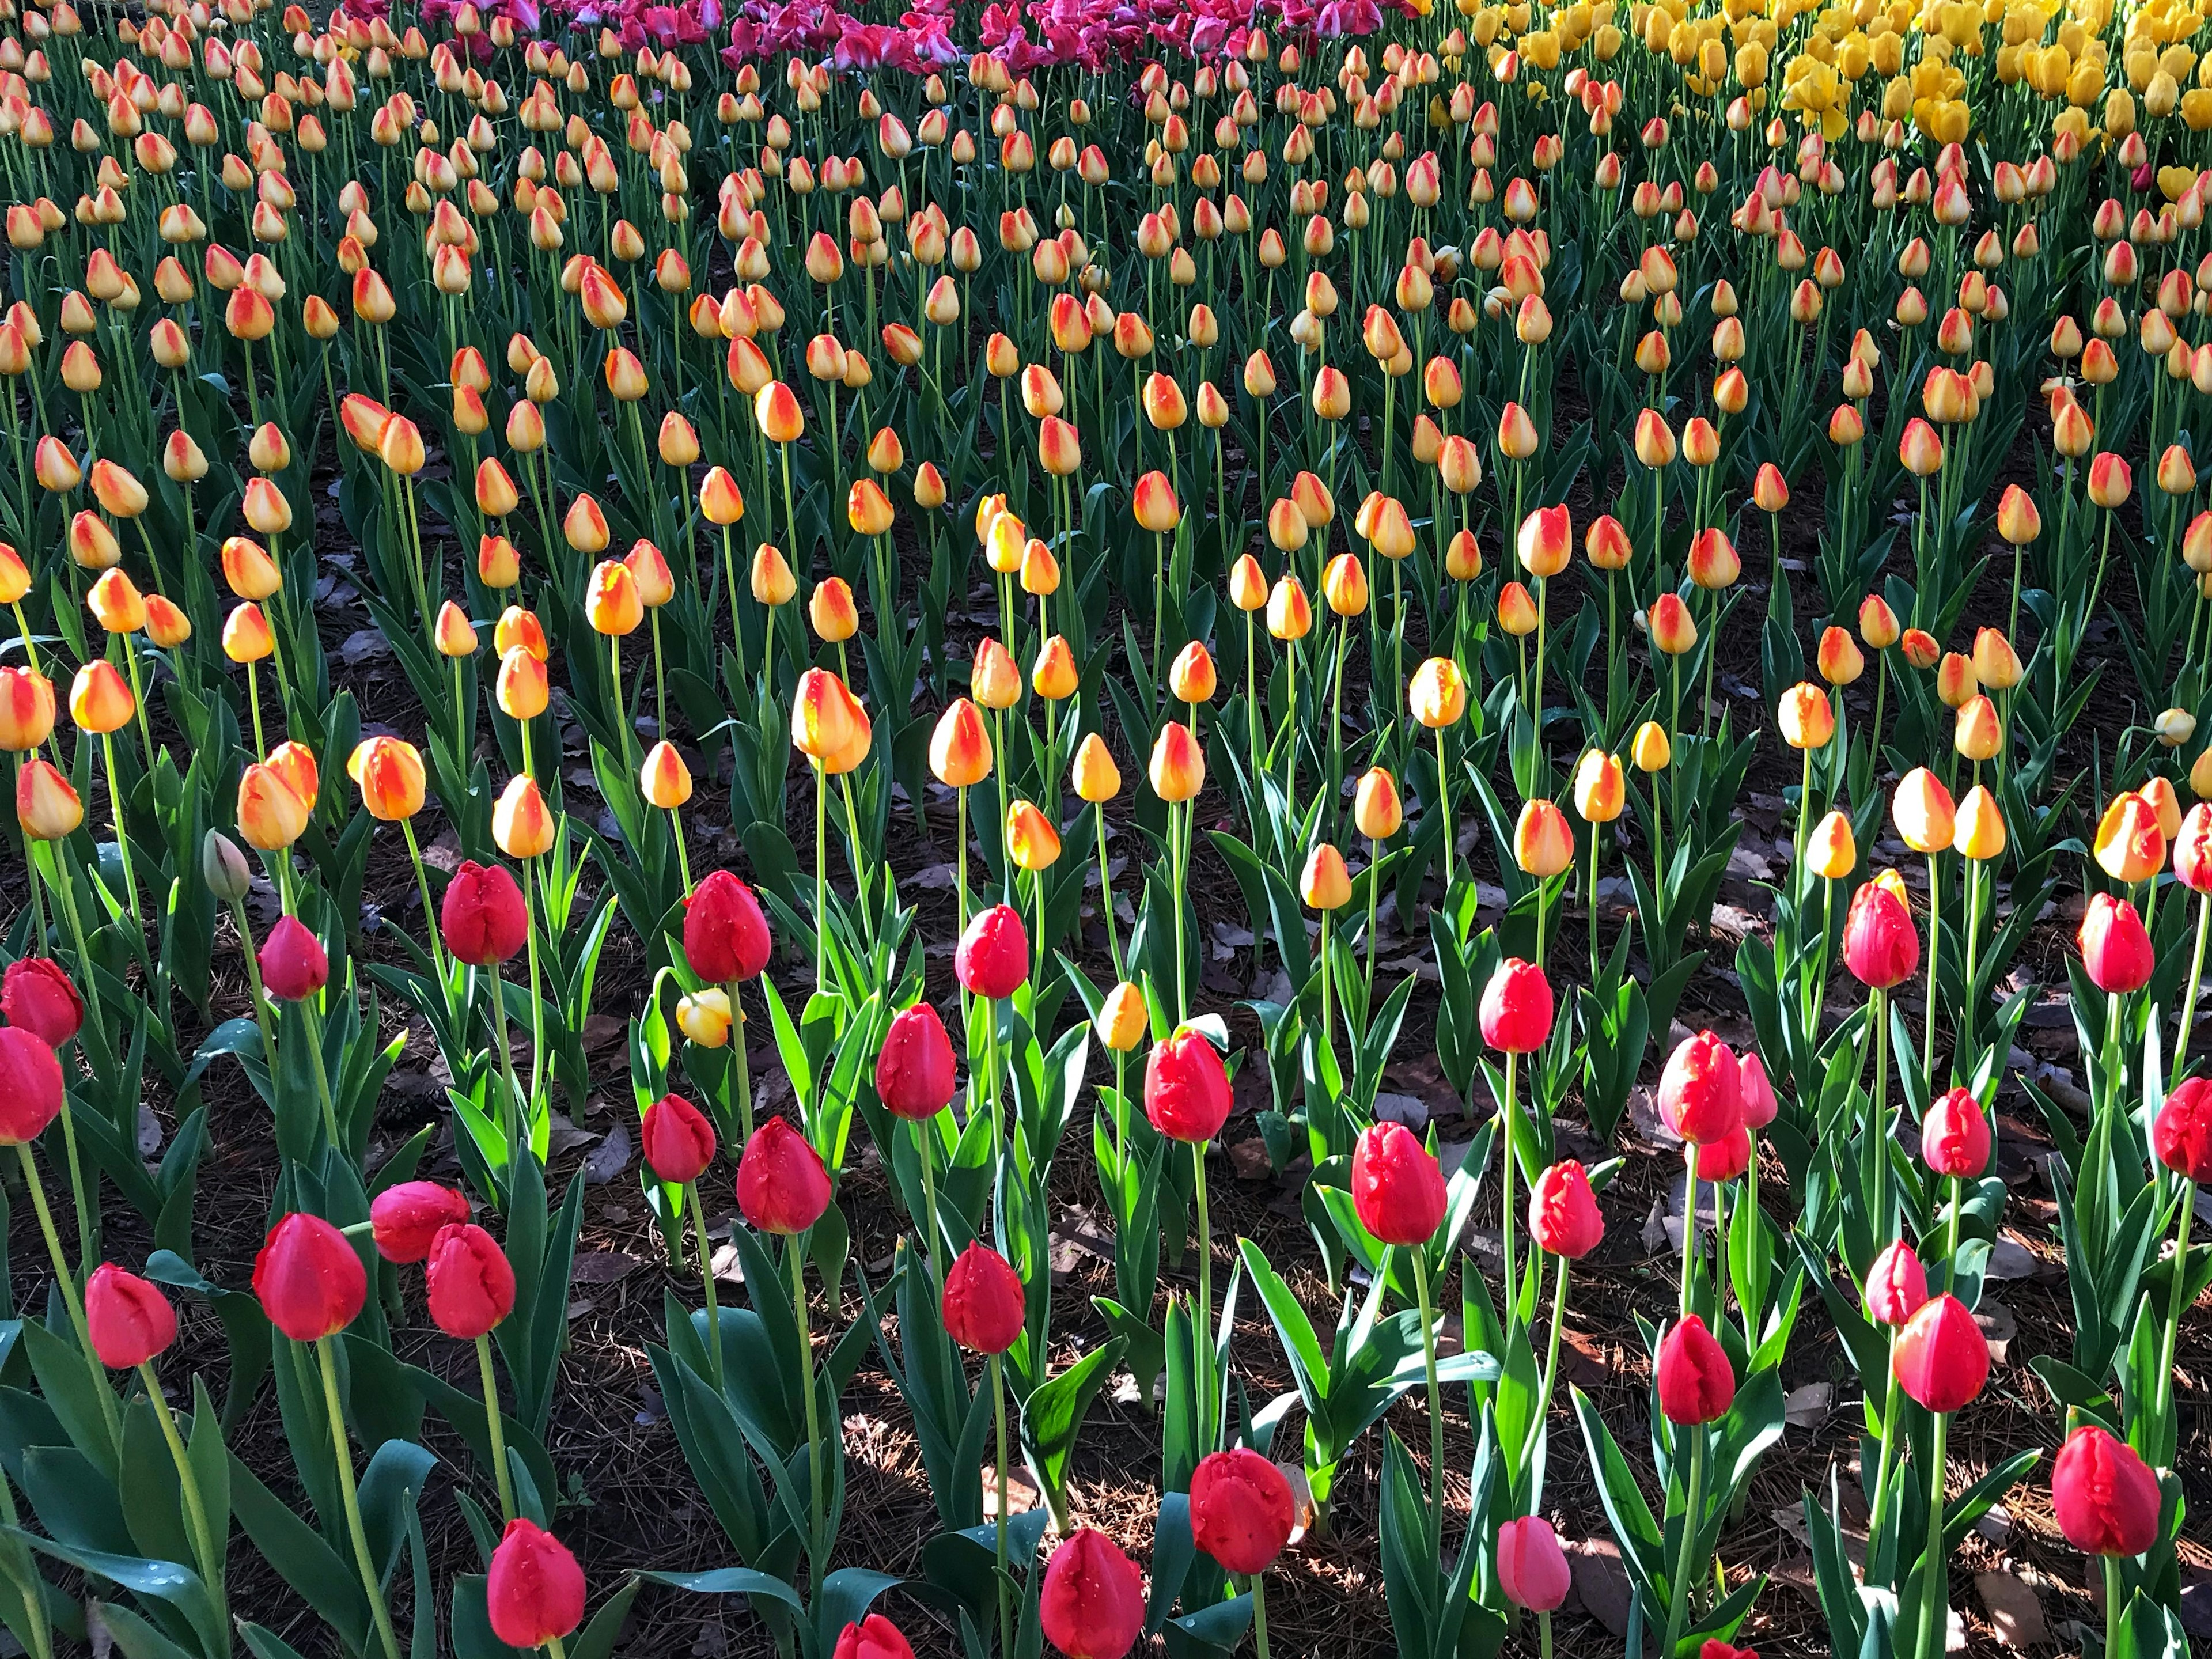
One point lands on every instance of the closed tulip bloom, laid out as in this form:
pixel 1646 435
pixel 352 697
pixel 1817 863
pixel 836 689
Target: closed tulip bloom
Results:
pixel 1546 541
pixel 1700 1091
pixel 1713 561
pixel 1289 613
pixel 2018 521
pixel 960 747
pixel 994 676
pixel 1516 1008
pixel 308 1278
pixel 1976 733
pixel 2165 806
pixel 1094 776
pixel 1091 1605
pixel 99 701
pixel 777 412
pixel 2130 845
pixel 1177 769
pixel 1397 1188
pixel 1325 884
pixel 27 709
pixel 1996 664
pixel 1123 1018
pixel 1607 545
pixel 1186 1094
pixel 166 625
pixel 294 964
pixel 873 1637
pixel 2105 1498
pixel 1344 585
pixel 1880 947
pixel 1805 717
pixel 37 996
pixel 522 828
pixel 390 777
pixel 611 604
pixel 1832 851
pixel 452 633
pixel 1921 811
pixel 128 1319
pixel 471 1283
pixel 46 807
pixel 1839 660
pixel 1543 844
pixel 678 1140
pixel 245 634
pixel 1674 631
pixel 1954 1136
pixel 704 1017
pixel 1438 694
pixel 993 958
pixel 782 1186
pixel 1031 840
pixel 519 629
pixel 1563 1212
pixel 2192 849
pixel 1601 790
pixel 2116 951
pixel 533 1588
pixel 116 603
pixel 983 1304
pixel 1377 809
pixel 1954 679
pixel 30 1086
pixel 1755 1092
pixel 1516 610
pixel 1532 1568
pixel 483 917
pixel 1920 648
pixel 726 936
pixel 1940 1357
pixel 1240 1510
pixel 1247 584
pixel 826 718
pixel 2181 1134
pixel 1154 504
pixel 1980 832
pixel 664 777
pixel 1726 1158
pixel 1896 1285
pixel 1697 1384
pixel 720 501
pixel 915 1073
pixel 1191 676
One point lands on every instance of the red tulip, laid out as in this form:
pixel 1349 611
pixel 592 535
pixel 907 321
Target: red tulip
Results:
pixel 1716 1648
pixel 1697 1384
pixel 1516 1008
pixel 1726 1158
pixel 1954 1136
pixel 2115 950
pixel 1562 1214
pixel 534 1589
pixel 983 1303
pixel 38 997
pixel 1880 945
pixel 129 1321
pixel 1940 1357
pixel 310 1281
pixel 2192 849
pixel 726 937
pixel 1701 1091
pixel 874 1638
pixel 2181 1134
pixel 678 1141
pixel 782 1185
pixel 993 955
pixel 30 1086
pixel 405 1219
pixel 1755 1091
pixel 1896 1285
pixel 472 1285
pixel 1240 1510
pixel 1186 1094
pixel 1532 1568
pixel 483 916
pixel 915 1071
pixel 294 964
pixel 1092 1603
pixel 2106 1499
pixel 1396 1186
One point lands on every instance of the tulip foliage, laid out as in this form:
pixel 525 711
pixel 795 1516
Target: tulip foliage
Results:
pixel 657 545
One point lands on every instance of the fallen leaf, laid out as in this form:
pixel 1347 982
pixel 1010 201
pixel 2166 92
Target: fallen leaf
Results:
pixel 608 1158
pixel 1805 1408
pixel 603 1268
pixel 2015 1609
pixel 1998 1328
pixel 1600 1583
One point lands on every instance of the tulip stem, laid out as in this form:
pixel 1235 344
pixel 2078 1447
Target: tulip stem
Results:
pixel 1544 1631
pixel 1435 1396
pixel 2196 978
pixel 322 1073
pixel 70 1297
pixel 369 1582
pixel 999 1421
pixel 1506 1114
pixel 821 878
pixel 924 1133
pixel 1209 1416
pixel 1374 857
pixel 429 910
pixel 744 1066
pixel 537 1001
pixel 1888 1461
pixel 1327 1030
pixel 2179 1305
pixel 1105 894
pixel 1259 1583
pixel 813 1409
pixel 1444 805
pixel 497 1430
pixel 1679 1587
pixel 1935 1579
pixel 123 840
pixel 1551 1366
pixel 203 1545
pixel 1179 852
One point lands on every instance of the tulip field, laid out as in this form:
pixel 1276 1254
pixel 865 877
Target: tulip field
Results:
pixel 1048 829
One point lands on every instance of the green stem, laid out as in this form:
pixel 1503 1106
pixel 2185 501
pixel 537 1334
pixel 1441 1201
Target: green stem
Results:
pixel 71 1298
pixel 1209 1417
pixel 999 1419
pixel 498 1429
pixel 204 1541
pixel 1934 1577
pixel 369 1582
pixel 813 1409
pixel 1678 1588
pixel 1436 1398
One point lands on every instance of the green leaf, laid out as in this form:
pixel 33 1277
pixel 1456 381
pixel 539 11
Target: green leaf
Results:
pixel 1052 1417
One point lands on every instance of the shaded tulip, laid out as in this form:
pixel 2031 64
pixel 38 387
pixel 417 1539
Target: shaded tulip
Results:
pixel 294 964
pixel 1563 1212
pixel 874 1638
pixel 1532 1568
pixel 1726 1158
pixel 726 937
pixel 46 807
pixel 470 1282
pixel 128 1319
pixel 406 1218
pixel 483 916
pixel 704 1017
pixel 678 1140
pixel 1954 1136
pixel 37 996
pixel 2181 1134
pixel 1881 946
pixel 1697 1384
pixel 1896 1285
pixel 30 1086
pixel 782 1186
pixel 983 1301
pixel 533 1588
pixel 308 1278
pixel 2105 1497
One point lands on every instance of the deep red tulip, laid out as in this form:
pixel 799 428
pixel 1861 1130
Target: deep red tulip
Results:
pixel 1516 1008
pixel 38 997
pixel 471 1287
pixel 915 1072
pixel 1940 1357
pixel 1562 1216
pixel 782 1185
pixel 1701 1091
pixel 1880 945
pixel 129 1319
pixel 2106 1499
pixel 1896 1285
pixel 2181 1134
pixel 534 1589
pixel 725 935
pixel 1726 1158
pixel 483 916
pixel 1532 1568
pixel 994 955
pixel 405 1219
pixel 1092 1603
pixel 1396 1186
pixel 30 1086
pixel 1716 1648
pixel 1187 1095
pixel 874 1638
pixel 310 1280
pixel 2115 950
pixel 1697 1384
pixel 983 1301
pixel 294 964
pixel 1240 1510
pixel 678 1141
pixel 1954 1136
pixel 1755 1092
